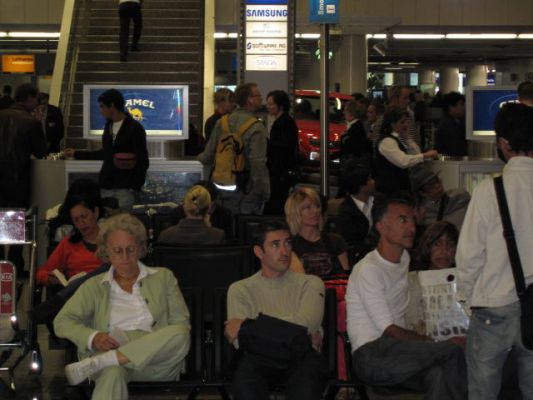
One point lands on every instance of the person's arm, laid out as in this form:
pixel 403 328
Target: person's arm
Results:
pixel 238 310
pixel 178 313
pixel 73 319
pixel 390 150
pixel 405 334
pixel 257 152
pixel 343 260
pixel 55 261
pixel 311 307
pixel 471 251
pixel 207 157
pixel 296 264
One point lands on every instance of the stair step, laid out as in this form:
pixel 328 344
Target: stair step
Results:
pixel 148 66
pixel 105 15
pixel 188 30
pixel 149 5
pixel 168 47
pixel 111 56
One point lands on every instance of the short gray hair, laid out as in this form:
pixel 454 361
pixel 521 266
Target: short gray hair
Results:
pixel 121 222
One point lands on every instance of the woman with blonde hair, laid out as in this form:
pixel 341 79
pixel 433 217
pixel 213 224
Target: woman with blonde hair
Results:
pixel 196 227
pixel 130 323
pixel 319 253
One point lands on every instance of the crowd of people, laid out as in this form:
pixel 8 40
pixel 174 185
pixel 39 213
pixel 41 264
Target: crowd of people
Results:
pixel 393 216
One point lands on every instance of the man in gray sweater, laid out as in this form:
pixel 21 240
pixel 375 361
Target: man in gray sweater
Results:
pixel 278 292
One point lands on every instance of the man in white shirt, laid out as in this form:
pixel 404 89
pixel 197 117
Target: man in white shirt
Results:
pixel 485 279
pixel 385 353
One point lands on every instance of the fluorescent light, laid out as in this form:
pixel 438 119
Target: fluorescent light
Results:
pixel 3 34
pixel 393 68
pixel 376 36
pixel 379 63
pixel 33 34
pixel 233 35
pixel 408 63
pixel 310 35
pixel 418 36
pixel 525 36
pixel 481 36
pixel 220 35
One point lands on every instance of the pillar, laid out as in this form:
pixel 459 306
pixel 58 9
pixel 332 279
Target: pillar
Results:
pixel 476 75
pixel 209 60
pixel 449 79
pixel 349 64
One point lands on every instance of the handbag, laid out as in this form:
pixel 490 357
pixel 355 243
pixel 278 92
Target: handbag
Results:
pixel 525 295
pixel 273 341
pixel 125 160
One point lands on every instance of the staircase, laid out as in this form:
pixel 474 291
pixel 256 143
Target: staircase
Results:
pixel 171 53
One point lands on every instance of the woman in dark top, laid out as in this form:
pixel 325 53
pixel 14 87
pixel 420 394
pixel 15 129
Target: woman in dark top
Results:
pixel 196 227
pixel 320 253
pixel 282 150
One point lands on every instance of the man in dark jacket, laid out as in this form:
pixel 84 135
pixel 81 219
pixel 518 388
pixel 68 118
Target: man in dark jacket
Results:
pixel 450 138
pixel 123 150
pixel 355 212
pixel 21 139
pixel 52 122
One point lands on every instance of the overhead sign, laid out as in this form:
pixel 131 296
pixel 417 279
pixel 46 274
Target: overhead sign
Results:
pixel 267 13
pixel 266 29
pixel 324 11
pixel 266 46
pixel 18 63
pixel 275 62
pixel 267 2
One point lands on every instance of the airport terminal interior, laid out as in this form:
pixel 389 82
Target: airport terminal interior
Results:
pixel 434 60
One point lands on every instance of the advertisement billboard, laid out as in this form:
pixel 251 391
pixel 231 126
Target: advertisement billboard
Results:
pixel 163 110
pixel 482 105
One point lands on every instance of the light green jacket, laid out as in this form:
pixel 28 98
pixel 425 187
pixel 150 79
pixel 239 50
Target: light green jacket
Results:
pixel 89 308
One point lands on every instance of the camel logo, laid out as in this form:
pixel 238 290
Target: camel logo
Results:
pixel 136 114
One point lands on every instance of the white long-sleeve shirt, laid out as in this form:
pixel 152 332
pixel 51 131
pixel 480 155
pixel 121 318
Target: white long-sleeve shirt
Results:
pixel 388 147
pixel 484 272
pixel 376 297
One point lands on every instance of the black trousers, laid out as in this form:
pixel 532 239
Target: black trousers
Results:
pixel 304 381
pixel 129 11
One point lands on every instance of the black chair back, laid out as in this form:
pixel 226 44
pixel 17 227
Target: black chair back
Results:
pixel 245 225
pixel 193 367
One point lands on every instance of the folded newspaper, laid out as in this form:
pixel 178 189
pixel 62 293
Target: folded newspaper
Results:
pixel 433 306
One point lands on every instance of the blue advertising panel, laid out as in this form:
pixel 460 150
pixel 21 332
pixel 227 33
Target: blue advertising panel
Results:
pixel 162 109
pixel 324 11
pixel 483 103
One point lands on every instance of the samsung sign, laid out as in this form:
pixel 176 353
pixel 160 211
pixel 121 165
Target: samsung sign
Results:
pixel 266 13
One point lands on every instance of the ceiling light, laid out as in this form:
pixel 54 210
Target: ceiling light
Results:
pixel 525 36
pixel 220 35
pixel 310 35
pixel 393 68
pixel 418 36
pixel 408 63
pixel 481 36
pixel 33 34
pixel 3 34
pixel 379 63
pixel 233 35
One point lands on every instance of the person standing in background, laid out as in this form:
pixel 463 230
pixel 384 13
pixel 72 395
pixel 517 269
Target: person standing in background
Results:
pixel 224 104
pixel 6 100
pixel 282 150
pixel 52 121
pixel 450 138
pixel 129 9
pixel 123 151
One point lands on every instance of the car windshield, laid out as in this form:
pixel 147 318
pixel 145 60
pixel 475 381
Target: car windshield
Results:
pixel 308 107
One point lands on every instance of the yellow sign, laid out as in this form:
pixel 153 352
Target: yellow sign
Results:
pixel 21 63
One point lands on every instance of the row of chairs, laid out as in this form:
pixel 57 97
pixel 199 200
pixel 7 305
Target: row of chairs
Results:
pixel 211 358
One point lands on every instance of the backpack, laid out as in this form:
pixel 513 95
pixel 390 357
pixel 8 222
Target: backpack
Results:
pixel 229 155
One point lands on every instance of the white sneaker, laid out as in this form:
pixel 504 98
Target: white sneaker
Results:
pixel 79 371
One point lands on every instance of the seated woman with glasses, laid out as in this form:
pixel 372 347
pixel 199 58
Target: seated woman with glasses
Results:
pixel 130 323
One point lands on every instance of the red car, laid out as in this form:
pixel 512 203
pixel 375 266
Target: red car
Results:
pixel 307 116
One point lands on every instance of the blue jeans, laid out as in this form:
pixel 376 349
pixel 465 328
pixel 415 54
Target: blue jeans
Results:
pixel 438 369
pixel 492 334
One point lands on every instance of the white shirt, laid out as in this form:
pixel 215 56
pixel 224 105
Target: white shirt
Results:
pixel 376 297
pixel 365 208
pixel 129 311
pixel 350 123
pixel 388 147
pixel 129 1
pixel 116 127
pixel 484 272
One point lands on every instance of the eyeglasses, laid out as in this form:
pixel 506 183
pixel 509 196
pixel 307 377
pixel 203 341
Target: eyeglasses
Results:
pixel 121 251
